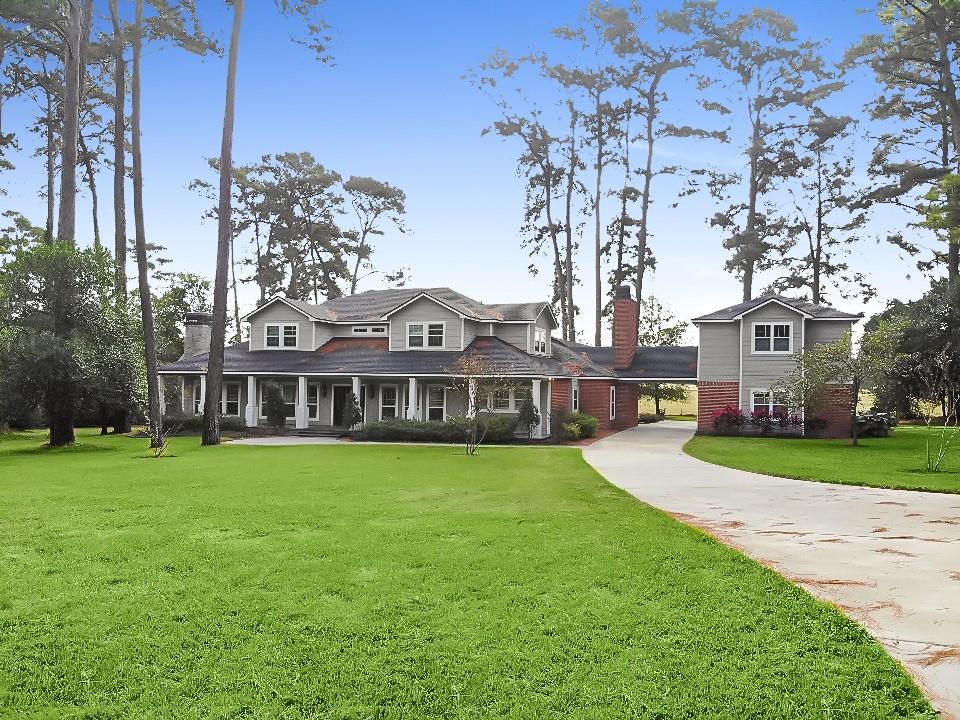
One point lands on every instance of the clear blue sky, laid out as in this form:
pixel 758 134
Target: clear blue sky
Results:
pixel 394 107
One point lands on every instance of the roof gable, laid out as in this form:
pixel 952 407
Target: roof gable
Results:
pixel 292 304
pixel 805 308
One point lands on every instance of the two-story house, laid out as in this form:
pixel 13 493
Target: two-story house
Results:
pixel 395 351
pixel 746 348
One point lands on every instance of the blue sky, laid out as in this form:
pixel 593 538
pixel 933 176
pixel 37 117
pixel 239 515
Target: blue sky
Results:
pixel 394 106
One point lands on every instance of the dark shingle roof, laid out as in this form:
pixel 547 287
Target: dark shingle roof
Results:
pixel 655 363
pixel 372 305
pixel 817 312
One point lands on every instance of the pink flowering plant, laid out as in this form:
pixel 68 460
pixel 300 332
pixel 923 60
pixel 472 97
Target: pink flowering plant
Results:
pixel 728 419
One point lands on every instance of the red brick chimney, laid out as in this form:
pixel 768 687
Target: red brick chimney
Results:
pixel 626 320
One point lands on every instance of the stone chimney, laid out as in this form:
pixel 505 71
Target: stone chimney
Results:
pixel 626 320
pixel 196 333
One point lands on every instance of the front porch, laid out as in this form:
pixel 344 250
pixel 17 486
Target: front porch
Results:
pixel 321 401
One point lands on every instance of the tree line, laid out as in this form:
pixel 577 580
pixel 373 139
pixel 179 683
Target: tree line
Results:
pixel 591 112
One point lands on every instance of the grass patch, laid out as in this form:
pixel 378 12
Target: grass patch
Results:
pixel 352 581
pixel 685 418
pixel 896 462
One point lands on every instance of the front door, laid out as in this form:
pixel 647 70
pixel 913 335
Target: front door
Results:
pixel 340 394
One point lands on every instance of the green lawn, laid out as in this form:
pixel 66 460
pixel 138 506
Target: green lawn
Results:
pixel 394 582
pixel 897 461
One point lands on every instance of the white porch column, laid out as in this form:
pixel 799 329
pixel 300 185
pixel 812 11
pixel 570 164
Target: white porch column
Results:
pixel 203 393
pixel 355 389
pixel 183 396
pixel 535 393
pixel 471 401
pixel 412 400
pixel 251 413
pixel 163 399
pixel 300 413
pixel 547 429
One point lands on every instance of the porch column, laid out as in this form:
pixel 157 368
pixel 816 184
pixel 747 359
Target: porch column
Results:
pixel 412 400
pixel 163 399
pixel 355 389
pixel 203 393
pixel 535 393
pixel 300 414
pixel 547 430
pixel 251 412
pixel 183 395
pixel 471 401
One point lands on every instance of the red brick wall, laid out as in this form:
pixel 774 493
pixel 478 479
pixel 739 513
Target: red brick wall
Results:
pixel 833 406
pixel 595 400
pixel 560 396
pixel 714 396
pixel 626 318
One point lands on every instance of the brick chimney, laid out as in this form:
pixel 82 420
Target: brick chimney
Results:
pixel 196 333
pixel 626 320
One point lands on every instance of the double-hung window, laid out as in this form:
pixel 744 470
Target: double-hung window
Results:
pixel 197 397
pixel 313 401
pixel 762 402
pixel 540 341
pixel 425 335
pixel 436 395
pixel 613 403
pixel 289 392
pixel 501 400
pixel 575 397
pixel 772 338
pixel 388 402
pixel 279 335
pixel 230 401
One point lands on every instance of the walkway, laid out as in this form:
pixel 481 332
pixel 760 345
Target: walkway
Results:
pixel 888 558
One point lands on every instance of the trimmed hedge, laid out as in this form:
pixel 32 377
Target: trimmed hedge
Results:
pixel 648 418
pixel 194 423
pixel 454 430
pixel 574 425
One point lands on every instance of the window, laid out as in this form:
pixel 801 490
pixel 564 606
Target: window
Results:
pixel 436 396
pixel 425 335
pixel 508 400
pixel 613 403
pixel 289 391
pixel 369 330
pixel 388 402
pixel 197 397
pixel 762 402
pixel 540 341
pixel 313 401
pixel 575 397
pixel 230 399
pixel 501 400
pixel 280 335
pixel 772 338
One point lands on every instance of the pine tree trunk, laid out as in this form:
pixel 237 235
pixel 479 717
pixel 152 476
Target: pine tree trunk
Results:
pixel 92 184
pixel 597 249
pixel 236 299
pixel 154 413
pixel 119 160
pixel 570 333
pixel 645 195
pixel 211 419
pixel 51 171
pixel 67 217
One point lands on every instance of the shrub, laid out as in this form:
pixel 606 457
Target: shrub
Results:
pixel 728 419
pixel 648 418
pixel 273 405
pixel 570 431
pixel 588 423
pixel 194 423
pixel 500 429
pixel 875 424
pixel 528 416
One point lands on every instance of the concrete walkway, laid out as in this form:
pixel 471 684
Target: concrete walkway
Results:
pixel 890 559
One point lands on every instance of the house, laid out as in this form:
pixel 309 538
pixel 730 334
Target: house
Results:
pixel 746 348
pixel 395 349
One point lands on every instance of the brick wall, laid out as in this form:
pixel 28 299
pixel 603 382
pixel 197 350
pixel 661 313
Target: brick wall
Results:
pixel 626 318
pixel 560 396
pixel 595 400
pixel 714 396
pixel 833 406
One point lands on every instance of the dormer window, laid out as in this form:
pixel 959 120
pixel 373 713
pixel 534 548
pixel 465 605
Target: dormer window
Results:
pixel 280 335
pixel 774 338
pixel 421 336
pixel 540 341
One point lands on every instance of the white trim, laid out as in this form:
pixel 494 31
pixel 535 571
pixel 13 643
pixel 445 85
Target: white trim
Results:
pixel 767 302
pixel 613 402
pixel 575 395
pixel 423 296
pixel 281 335
pixel 397 406
pixel 315 385
pixel 368 330
pixel 427 405
pixel 261 416
pixel 740 375
pixel 223 396
pixel 463 333
pixel 770 403
pixel 426 335
pixel 529 343
pixel 274 299
pixel 771 324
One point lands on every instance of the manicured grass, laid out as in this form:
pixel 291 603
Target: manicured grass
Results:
pixel 685 418
pixel 897 461
pixel 354 581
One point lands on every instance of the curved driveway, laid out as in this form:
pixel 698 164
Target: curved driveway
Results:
pixel 888 558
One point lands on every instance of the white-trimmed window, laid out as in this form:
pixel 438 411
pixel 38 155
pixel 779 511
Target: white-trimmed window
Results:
pixel 575 396
pixel 508 400
pixel 313 401
pixel 436 402
pixel 774 338
pixel 280 335
pixel 230 399
pixel 289 392
pixel 500 400
pixel 424 335
pixel 388 402
pixel 369 329
pixel 763 401
pixel 197 399
pixel 540 341
pixel 613 402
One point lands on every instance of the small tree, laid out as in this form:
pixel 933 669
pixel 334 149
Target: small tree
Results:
pixel 934 373
pixel 478 380
pixel 352 413
pixel 660 393
pixel 528 416
pixel 274 406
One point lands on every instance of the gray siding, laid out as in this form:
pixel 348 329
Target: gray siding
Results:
pixel 544 322
pixel 825 331
pixel 719 352
pixel 471 329
pixel 424 310
pixel 760 370
pixel 280 313
pixel 514 333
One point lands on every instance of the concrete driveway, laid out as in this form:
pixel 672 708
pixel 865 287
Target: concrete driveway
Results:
pixel 890 559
